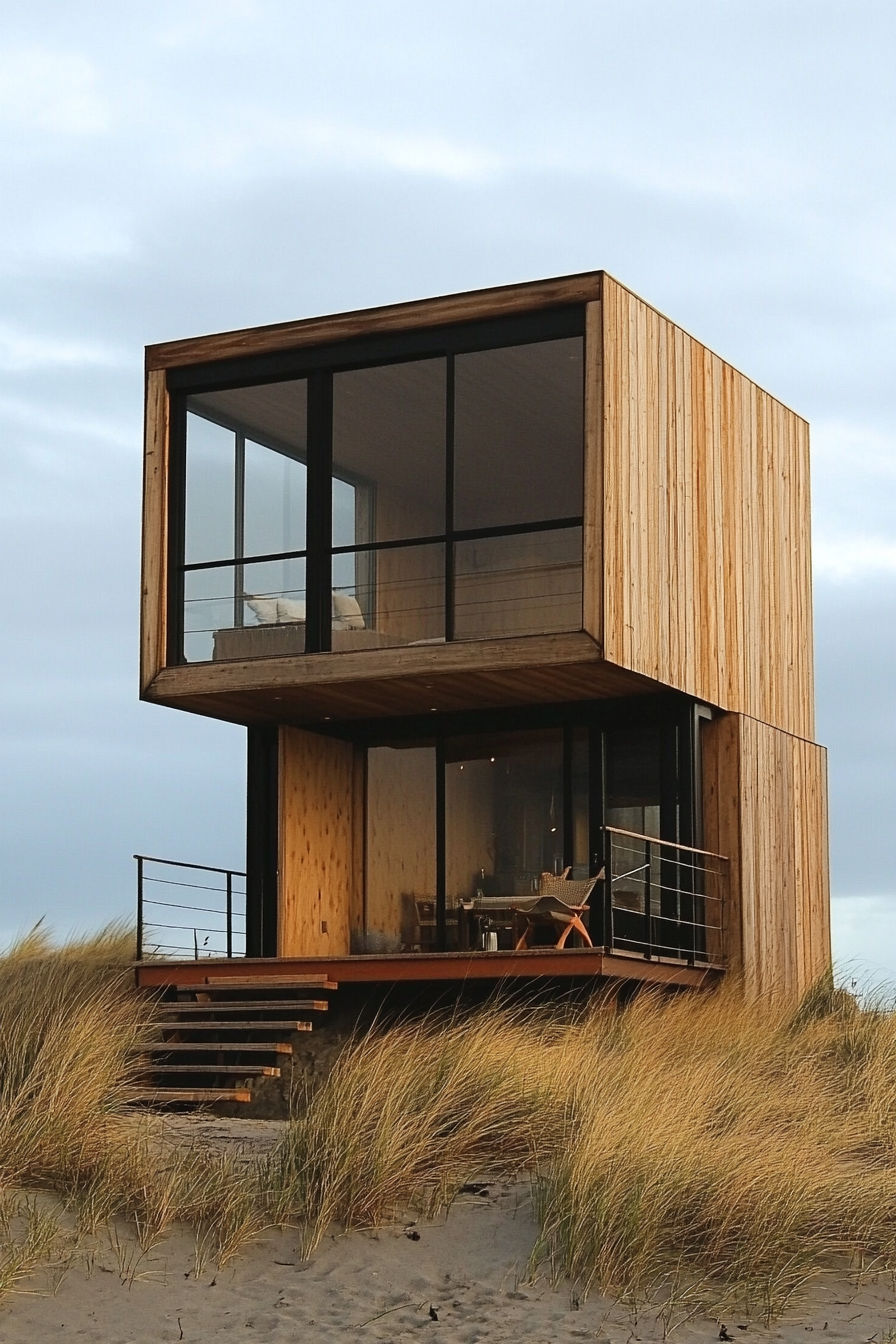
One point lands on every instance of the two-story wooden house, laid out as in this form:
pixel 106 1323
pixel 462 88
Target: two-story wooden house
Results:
pixel 512 591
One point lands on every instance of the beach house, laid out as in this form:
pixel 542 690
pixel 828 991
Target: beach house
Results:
pixel 511 591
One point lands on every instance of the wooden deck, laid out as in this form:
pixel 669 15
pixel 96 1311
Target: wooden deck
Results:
pixel 573 963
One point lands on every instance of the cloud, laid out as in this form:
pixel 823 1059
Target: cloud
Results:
pixel 21 351
pixel 253 141
pixel 846 559
pixel 53 91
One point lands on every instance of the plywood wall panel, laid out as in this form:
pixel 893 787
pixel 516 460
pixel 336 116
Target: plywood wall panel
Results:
pixel 706 560
pixel 154 566
pixel 318 868
pixel 765 808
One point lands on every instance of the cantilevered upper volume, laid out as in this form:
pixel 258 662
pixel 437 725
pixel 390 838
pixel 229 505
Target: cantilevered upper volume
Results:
pixel 547 491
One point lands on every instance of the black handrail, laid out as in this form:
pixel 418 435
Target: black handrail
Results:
pixel 663 899
pixel 232 890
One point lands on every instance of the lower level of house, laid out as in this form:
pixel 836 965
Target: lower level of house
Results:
pixel 646 837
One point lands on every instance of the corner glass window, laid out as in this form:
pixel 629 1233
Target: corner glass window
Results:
pixel 410 501
pixel 246 497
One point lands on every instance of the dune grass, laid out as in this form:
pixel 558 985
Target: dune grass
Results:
pixel 71 1025
pixel 694 1150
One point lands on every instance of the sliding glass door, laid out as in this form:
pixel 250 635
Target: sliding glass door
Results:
pixel 471 816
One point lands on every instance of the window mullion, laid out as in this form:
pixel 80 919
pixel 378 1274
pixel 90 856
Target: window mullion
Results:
pixel 319 526
pixel 449 499
pixel 239 525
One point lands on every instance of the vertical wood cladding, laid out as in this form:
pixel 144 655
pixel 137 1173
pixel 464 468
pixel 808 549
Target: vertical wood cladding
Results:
pixel 154 574
pixel 765 807
pixel 318 869
pixel 706 559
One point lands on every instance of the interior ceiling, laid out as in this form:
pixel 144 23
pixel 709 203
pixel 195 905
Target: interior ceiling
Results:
pixel 276 411
pixel 518 429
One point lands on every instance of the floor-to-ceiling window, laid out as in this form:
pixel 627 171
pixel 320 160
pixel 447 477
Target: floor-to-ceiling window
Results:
pixel 463 819
pixel 407 491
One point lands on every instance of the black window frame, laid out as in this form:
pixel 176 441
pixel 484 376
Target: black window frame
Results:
pixel 318 364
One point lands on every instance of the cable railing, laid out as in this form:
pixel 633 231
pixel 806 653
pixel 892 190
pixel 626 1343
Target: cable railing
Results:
pixel 664 900
pixel 173 922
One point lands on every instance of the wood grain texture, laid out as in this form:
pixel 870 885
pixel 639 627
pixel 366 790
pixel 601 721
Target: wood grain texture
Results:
pixel 154 568
pixel 317 833
pixel 502 301
pixel 578 963
pixel 765 806
pixel 289 691
pixel 706 545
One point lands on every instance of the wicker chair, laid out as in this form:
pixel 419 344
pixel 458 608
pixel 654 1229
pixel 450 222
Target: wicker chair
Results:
pixel 563 904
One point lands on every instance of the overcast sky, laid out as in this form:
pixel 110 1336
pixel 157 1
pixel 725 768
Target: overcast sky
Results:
pixel 178 168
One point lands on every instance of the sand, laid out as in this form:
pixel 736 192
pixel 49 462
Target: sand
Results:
pixel 467 1269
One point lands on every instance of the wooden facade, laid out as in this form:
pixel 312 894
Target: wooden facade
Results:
pixel 765 806
pixel 695 579
pixel 706 527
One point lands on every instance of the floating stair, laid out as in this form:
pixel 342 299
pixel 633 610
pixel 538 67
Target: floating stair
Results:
pixel 208 1046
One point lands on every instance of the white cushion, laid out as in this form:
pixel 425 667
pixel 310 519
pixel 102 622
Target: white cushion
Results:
pixel 265 609
pixel 346 609
pixel 290 609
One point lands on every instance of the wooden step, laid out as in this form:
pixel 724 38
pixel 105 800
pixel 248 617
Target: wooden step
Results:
pixel 257 982
pixel 160 1095
pixel 237 1026
pixel 249 1006
pixel 209 1047
pixel 241 1070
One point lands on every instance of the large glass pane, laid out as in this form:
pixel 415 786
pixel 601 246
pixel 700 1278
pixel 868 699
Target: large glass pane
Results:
pixel 518 434
pixel 245 610
pixel 633 766
pixel 208 608
pixel 389 597
pixel 633 763
pixel 267 429
pixel 526 584
pixel 210 520
pixel 274 501
pixel 401 849
pixel 503 813
pixel 389 444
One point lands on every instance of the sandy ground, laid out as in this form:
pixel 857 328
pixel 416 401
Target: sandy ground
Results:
pixel 468 1270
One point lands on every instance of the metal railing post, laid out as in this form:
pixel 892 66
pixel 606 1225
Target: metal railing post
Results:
pixel 608 890
pixel 648 905
pixel 691 896
pixel 139 858
pixel 229 913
